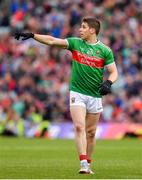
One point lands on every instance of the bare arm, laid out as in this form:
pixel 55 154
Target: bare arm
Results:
pixel 50 40
pixel 45 39
pixel 113 73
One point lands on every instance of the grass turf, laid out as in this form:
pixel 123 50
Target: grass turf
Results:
pixel 22 158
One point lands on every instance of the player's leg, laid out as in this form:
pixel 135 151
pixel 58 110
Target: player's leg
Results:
pixel 78 115
pixel 91 126
pixel 94 108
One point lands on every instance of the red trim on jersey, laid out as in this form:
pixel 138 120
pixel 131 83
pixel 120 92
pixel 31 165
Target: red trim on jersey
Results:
pixel 88 60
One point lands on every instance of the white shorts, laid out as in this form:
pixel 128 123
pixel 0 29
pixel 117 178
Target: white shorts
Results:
pixel 92 104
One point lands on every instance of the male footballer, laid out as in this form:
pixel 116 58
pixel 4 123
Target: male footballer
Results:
pixel 89 57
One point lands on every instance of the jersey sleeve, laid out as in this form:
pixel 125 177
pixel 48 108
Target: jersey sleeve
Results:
pixel 71 43
pixel 109 59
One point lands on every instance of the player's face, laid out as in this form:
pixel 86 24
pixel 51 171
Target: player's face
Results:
pixel 85 31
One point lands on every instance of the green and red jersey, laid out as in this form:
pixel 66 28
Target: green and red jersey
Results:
pixel 88 65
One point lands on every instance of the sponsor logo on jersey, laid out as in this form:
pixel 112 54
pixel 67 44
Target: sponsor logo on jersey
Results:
pixel 88 60
pixel 82 49
pixel 90 52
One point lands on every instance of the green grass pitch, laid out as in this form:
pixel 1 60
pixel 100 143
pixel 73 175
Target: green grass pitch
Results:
pixel 22 158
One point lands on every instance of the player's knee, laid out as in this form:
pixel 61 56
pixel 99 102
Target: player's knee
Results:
pixel 79 128
pixel 91 133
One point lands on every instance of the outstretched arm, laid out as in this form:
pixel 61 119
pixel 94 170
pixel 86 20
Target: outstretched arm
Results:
pixel 50 40
pixel 45 39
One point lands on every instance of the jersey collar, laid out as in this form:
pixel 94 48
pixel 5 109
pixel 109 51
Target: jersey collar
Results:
pixel 93 43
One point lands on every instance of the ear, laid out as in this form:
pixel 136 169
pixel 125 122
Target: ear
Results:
pixel 92 30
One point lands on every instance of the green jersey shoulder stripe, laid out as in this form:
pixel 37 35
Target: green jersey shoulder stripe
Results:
pixel 105 46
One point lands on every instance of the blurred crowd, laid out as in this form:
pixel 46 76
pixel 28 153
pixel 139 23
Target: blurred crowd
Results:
pixel 34 78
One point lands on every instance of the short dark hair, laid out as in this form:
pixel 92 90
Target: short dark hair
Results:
pixel 92 23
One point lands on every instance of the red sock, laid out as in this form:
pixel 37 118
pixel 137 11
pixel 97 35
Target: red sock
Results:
pixel 83 157
pixel 89 161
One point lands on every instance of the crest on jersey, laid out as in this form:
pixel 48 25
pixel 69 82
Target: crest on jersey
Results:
pixel 97 52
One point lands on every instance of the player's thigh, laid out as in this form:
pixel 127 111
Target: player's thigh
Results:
pixel 78 114
pixel 92 121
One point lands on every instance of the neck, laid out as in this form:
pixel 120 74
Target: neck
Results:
pixel 92 39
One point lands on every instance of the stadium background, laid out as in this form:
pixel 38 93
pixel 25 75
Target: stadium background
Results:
pixel 34 77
